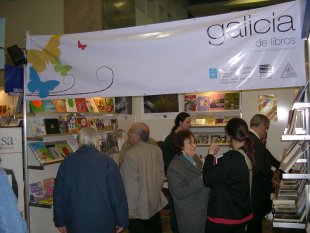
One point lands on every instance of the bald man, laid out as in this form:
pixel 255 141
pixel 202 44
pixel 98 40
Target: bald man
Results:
pixel 143 175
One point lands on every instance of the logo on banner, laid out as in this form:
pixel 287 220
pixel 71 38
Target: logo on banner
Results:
pixel 265 71
pixel 6 143
pixel 213 73
pixel 289 72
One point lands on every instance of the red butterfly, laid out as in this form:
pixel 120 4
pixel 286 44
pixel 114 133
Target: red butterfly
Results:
pixel 81 46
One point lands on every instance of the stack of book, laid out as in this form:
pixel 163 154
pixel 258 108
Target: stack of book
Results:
pixel 290 204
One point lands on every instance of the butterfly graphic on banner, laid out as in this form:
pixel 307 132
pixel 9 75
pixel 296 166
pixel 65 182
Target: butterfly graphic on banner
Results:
pixel 81 46
pixel 41 87
pixel 49 54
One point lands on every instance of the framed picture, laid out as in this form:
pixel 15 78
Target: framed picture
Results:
pixel 123 105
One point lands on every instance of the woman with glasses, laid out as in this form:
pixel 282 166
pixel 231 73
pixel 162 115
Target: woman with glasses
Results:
pixel 190 196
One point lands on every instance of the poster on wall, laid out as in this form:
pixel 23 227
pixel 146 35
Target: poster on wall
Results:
pixel 123 105
pixel 2 36
pixel 267 105
pixel 252 49
pixel 161 103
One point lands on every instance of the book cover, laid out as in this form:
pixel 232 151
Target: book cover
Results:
pixel 217 101
pixel 81 105
pixel 81 122
pixel 40 151
pixel 60 105
pixel 36 191
pixel 63 124
pixel 49 106
pixel 70 105
pixel 54 152
pixel 203 103
pixel 91 106
pixel 91 122
pixel 63 148
pixel 48 187
pixel 100 123
pixel 36 106
pixel 37 126
pixel 51 126
pixel 72 124
pixel 210 120
pixel 190 103
pixel 231 101
pixel 104 104
pixel 74 144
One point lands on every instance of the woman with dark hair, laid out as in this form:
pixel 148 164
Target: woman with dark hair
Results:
pixel 181 122
pixel 229 179
pixel 190 195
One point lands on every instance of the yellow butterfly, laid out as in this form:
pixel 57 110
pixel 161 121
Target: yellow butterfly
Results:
pixel 49 54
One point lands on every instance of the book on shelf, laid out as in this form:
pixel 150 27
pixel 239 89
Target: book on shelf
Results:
pixel 284 200
pixel 51 125
pixel 42 192
pixel 48 187
pixel 199 121
pixel 91 106
pixel 217 101
pixel 63 124
pixel 72 124
pixel 210 120
pixel 190 102
pixel 231 101
pixel 40 151
pixel 81 105
pixel 63 148
pixel 60 105
pixel 108 142
pixel 291 121
pixel 74 144
pixel 37 126
pixel 49 106
pixel 291 157
pixel 81 122
pixel 104 104
pixel 290 217
pixel 70 105
pixel 36 106
pixel 54 152
pixel 36 191
pixel 301 93
pixel 203 103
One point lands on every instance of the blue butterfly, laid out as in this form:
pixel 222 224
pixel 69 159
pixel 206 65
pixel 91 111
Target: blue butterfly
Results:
pixel 36 85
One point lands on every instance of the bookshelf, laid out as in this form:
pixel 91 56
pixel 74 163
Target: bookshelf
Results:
pixel 210 111
pixel 295 164
pixel 51 134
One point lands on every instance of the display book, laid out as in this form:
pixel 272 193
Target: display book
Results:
pixel 291 205
pixel 210 112
pixel 41 192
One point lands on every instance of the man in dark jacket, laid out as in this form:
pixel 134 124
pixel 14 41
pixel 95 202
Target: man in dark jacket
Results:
pixel 89 194
pixel 262 182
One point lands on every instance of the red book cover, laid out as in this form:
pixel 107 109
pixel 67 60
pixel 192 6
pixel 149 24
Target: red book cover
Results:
pixel 81 105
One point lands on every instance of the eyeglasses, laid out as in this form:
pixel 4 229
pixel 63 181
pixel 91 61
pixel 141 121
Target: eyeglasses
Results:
pixel 190 143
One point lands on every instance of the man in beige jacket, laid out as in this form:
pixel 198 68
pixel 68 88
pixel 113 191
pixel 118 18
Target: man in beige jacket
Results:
pixel 143 175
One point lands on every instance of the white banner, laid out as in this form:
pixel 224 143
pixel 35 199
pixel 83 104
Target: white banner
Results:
pixel 260 48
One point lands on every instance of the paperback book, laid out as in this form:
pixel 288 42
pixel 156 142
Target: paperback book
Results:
pixel 60 105
pixel 189 102
pixel 40 151
pixel 63 148
pixel 81 105
pixel 37 126
pixel 49 106
pixel 70 105
pixel 51 125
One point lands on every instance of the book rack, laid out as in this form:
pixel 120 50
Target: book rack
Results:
pixel 295 164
